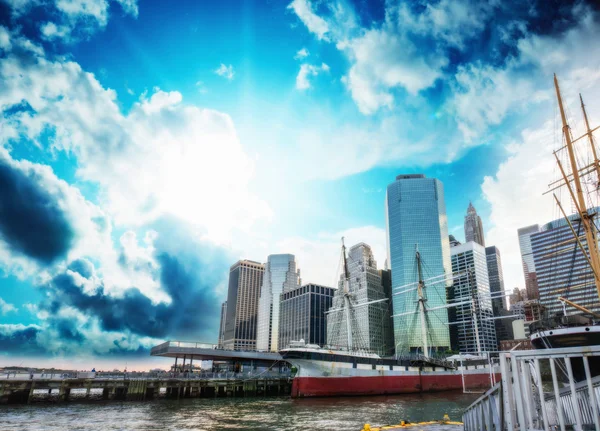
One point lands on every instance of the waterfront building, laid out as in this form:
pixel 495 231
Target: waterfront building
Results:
pixel 475 328
pixel 561 267
pixel 280 276
pixel 245 281
pixel 473 226
pixel 222 324
pixel 453 241
pixel 416 218
pixel 370 324
pixel 302 314
pixel 496 278
pixel 531 284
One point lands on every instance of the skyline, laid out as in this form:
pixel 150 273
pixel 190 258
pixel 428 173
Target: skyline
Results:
pixel 144 148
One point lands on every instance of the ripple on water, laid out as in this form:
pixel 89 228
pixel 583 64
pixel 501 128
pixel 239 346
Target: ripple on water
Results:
pixel 250 414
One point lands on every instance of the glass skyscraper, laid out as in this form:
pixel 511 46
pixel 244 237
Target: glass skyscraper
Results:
pixel 280 276
pixel 416 220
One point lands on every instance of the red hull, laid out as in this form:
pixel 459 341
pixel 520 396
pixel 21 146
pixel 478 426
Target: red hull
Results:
pixel 381 385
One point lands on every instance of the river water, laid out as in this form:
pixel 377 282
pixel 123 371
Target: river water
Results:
pixel 277 413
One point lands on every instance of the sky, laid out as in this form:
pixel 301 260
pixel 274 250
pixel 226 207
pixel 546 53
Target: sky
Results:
pixel 145 146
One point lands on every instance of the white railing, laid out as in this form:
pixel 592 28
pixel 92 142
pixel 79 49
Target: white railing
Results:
pixel 547 389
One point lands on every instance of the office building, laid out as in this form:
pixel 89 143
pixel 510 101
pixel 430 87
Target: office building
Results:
pixel 416 220
pixel 496 278
pixel 562 269
pixel 302 314
pixel 531 284
pixel 222 324
pixel 280 276
pixel 473 226
pixel 476 332
pixel 245 281
pixel 370 324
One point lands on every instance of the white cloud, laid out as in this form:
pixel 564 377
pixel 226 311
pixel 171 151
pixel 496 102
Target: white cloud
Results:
pixel 225 71
pixel 515 196
pixel 84 16
pixel 302 53
pixel 78 9
pixel 129 6
pixel 314 23
pixel 453 22
pixel 306 70
pixel 160 100
pixel 52 31
pixel 181 156
pixel 384 60
pixel 5 307
pixel 4 38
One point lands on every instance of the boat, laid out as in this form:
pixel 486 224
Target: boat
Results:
pixel 350 370
pixel 582 329
pixel 321 372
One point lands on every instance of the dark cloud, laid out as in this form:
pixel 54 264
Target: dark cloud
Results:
pixel 31 220
pixel 188 271
pixel 21 340
pixel 67 331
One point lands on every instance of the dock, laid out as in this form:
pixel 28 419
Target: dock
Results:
pixel 569 399
pixel 23 389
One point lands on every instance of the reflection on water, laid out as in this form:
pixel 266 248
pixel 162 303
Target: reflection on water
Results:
pixel 238 413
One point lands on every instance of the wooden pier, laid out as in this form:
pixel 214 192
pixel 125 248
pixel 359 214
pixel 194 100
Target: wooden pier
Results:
pixel 25 391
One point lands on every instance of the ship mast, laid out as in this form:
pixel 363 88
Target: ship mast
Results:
pixel 577 194
pixel 347 296
pixel 588 132
pixel 422 300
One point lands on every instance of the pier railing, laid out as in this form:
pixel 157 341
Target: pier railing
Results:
pixel 545 389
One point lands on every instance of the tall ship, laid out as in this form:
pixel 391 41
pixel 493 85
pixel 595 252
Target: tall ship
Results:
pixel 579 168
pixel 352 370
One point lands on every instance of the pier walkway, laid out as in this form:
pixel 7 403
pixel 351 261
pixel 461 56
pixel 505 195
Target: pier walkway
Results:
pixel 545 389
pixel 205 351
pixel 27 388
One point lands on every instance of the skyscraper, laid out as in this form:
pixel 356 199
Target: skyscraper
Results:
pixel 474 321
pixel 473 226
pixel 302 315
pixel 494 265
pixel 561 267
pixel 245 280
pixel 496 278
pixel 222 324
pixel 531 284
pixel 370 324
pixel 280 276
pixel 416 219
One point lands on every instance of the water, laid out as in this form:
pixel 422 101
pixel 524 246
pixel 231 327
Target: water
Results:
pixel 238 413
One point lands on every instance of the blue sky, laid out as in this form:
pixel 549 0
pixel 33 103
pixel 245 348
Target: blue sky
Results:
pixel 145 146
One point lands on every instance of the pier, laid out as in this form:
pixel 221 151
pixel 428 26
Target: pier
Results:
pixel 23 389
pixel 546 389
